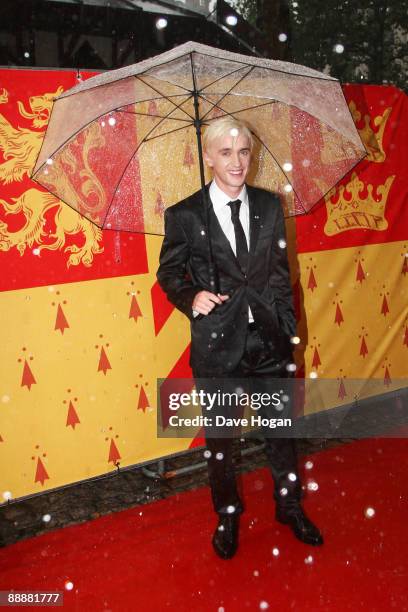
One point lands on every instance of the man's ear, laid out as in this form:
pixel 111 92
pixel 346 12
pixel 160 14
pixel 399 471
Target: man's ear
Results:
pixel 207 158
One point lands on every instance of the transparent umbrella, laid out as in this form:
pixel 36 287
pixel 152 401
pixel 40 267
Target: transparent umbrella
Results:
pixel 123 145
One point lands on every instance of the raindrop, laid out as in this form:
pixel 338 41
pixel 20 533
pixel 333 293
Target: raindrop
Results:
pixel 338 48
pixel 313 375
pixel 283 491
pixel 288 188
pixel 26 54
pixel 221 528
pixel 306 163
pixel 256 573
pixel 69 585
pixel 111 120
pixel 46 518
pixel 161 23
pixel 207 454
pixel 230 509
pixel 291 367
pixel 369 512
pixel 263 605
pixel 275 552
pixel 309 560
pixel 7 495
pixel 285 398
pixel 287 166
pixel 213 334
pixel 309 465
pixel 282 37
pixel 202 232
pixel 312 485
pixel 282 243
pixel 103 123
pixel 219 456
pixel 36 251
pixel 292 476
pixel 49 161
pixel 231 20
pixel 234 132
pixel 295 339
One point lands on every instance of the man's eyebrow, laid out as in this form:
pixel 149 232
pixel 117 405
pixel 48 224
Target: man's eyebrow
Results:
pixel 230 149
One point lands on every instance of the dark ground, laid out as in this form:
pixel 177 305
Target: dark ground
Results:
pixel 126 488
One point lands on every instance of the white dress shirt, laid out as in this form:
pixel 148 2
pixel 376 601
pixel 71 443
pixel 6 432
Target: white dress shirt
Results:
pixel 220 200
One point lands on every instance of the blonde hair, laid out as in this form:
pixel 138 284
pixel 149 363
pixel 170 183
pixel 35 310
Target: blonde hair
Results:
pixel 223 126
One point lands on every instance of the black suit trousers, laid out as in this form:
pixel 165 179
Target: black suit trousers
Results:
pixel 257 362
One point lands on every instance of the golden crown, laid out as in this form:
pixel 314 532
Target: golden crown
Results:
pixel 350 210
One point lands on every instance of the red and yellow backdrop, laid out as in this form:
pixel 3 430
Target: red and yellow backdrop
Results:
pixel 86 331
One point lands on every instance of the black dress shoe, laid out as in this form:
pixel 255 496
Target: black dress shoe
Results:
pixel 225 538
pixel 301 526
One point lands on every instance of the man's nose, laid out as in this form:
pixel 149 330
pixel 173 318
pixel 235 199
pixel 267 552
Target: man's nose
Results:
pixel 235 159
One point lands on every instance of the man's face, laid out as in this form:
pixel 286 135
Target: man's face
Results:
pixel 229 156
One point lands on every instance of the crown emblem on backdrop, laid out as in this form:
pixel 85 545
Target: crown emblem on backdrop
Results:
pixel 347 207
pixel 372 139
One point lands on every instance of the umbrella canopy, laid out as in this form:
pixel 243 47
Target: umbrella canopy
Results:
pixel 123 145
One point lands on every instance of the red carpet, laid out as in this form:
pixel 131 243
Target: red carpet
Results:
pixel 159 556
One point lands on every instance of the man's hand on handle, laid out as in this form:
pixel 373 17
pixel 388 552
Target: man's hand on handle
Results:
pixel 205 301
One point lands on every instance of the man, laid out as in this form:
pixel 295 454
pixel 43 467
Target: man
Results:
pixel 245 330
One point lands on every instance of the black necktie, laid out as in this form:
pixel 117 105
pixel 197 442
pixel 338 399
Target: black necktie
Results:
pixel 240 239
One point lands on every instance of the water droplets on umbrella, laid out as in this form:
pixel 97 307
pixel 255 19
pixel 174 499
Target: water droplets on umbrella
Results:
pixel 219 456
pixel 369 512
pixel 282 243
pixel 275 551
pixel 312 485
pixel 309 560
pixel 207 454
pixel 309 465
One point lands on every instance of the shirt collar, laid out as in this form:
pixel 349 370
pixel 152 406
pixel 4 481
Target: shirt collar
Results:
pixel 220 199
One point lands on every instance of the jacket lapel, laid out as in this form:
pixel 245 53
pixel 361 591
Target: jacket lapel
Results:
pixel 254 220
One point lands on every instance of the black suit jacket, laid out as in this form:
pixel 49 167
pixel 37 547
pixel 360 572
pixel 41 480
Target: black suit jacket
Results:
pixel 218 339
